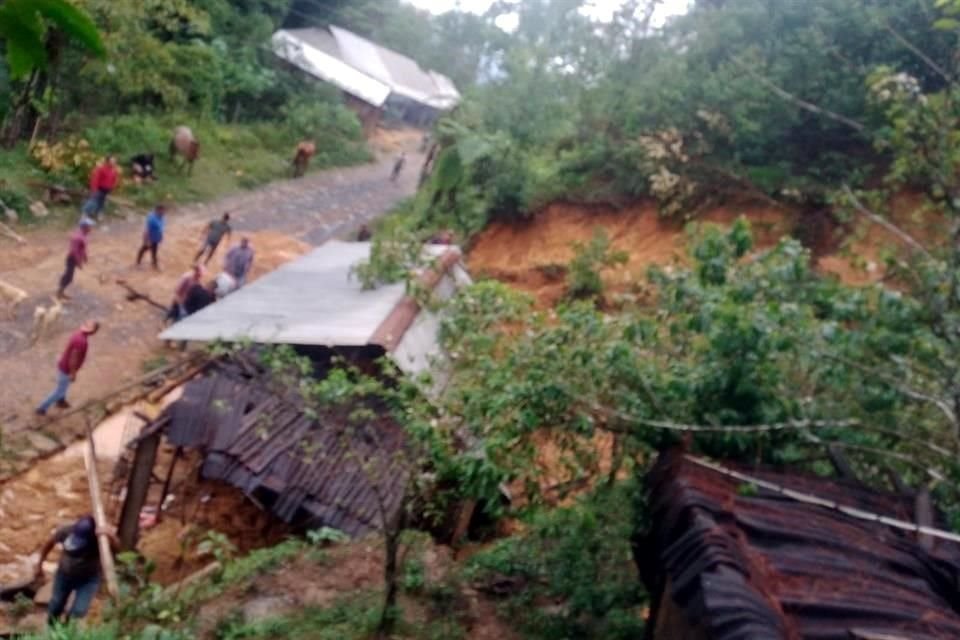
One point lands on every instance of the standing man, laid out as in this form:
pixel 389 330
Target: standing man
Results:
pixel 78 571
pixel 214 234
pixel 239 260
pixel 68 366
pixel 152 235
pixel 76 255
pixel 103 180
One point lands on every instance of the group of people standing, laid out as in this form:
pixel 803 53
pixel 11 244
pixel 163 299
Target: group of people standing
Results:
pixel 190 294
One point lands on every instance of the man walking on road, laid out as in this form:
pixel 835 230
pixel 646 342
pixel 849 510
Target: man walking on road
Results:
pixel 78 571
pixel 103 180
pixel 239 260
pixel 68 366
pixel 152 235
pixel 76 255
pixel 214 234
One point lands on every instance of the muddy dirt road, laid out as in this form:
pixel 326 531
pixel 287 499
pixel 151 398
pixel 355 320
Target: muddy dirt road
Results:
pixel 282 219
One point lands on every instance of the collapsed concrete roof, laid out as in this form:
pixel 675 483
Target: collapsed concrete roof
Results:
pixel 363 68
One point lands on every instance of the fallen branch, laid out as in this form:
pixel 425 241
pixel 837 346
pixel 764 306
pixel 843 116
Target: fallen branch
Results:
pixel 133 295
pixel 886 224
pixel 799 102
pixel 917 52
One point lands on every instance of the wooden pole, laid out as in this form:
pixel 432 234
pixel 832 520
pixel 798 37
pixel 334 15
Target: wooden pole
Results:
pixel 103 539
pixel 166 483
pixel 137 488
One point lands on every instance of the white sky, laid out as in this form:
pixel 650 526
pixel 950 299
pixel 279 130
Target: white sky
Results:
pixel 600 9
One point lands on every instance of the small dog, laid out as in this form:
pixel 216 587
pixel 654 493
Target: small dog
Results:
pixel 13 296
pixel 44 318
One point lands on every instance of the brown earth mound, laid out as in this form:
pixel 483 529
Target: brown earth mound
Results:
pixel 532 256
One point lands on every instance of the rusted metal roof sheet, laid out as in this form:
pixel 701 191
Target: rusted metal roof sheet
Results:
pixel 745 565
pixel 328 471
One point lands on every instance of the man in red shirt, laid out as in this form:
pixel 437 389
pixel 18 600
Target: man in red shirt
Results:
pixel 76 255
pixel 68 366
pixel 103 180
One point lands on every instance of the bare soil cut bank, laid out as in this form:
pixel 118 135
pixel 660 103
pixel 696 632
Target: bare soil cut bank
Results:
pixel 532 256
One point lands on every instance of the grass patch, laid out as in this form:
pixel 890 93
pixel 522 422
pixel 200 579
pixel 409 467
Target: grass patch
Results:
pixel 233 157
pixel 353 618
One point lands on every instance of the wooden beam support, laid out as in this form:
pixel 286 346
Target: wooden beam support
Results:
pixel 103 538
pixel 137 488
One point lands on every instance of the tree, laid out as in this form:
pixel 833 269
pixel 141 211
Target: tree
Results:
pixel 33 33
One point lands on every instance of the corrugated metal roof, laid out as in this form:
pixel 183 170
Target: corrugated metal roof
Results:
pixel 316 52
pixel 328 470
pixel 756 564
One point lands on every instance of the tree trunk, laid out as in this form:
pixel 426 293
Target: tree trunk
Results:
pixel 391 578
pixel 18 118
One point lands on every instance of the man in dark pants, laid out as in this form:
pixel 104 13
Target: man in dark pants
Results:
pixel 152 235
pixel 214 234
pixel 103 180
pixel 69 364
pixel 76 255
pixel 78 571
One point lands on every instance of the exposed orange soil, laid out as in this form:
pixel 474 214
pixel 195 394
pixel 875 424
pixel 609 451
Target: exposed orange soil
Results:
pixel 530 256
pixel 859 260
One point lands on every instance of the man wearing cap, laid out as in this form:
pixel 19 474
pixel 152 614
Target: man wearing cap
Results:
pixel 68 366
pixel 78 571
pixel 76 255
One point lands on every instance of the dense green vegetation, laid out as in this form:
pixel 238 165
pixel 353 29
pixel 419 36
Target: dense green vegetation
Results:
pixel 822 104
pixel 156 65
pixel 770 100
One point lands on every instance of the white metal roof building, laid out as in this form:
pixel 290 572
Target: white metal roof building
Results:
pixel 314 301
pixel 329 54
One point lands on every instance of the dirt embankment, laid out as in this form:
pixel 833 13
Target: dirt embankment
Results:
pixel 532 255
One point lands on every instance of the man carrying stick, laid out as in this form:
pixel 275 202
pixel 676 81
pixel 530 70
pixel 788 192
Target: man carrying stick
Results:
pixel 78 571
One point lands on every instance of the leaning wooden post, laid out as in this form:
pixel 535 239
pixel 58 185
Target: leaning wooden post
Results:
pixel 93 481
pixel 138 486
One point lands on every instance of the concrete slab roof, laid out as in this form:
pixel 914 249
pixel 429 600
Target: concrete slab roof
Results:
pixel 312 301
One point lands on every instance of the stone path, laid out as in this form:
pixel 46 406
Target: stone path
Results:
pixel 283 219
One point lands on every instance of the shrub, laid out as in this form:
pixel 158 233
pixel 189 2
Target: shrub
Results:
pixel 578 557
pixel 70 160
pixel 129 135
pixel 583 275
